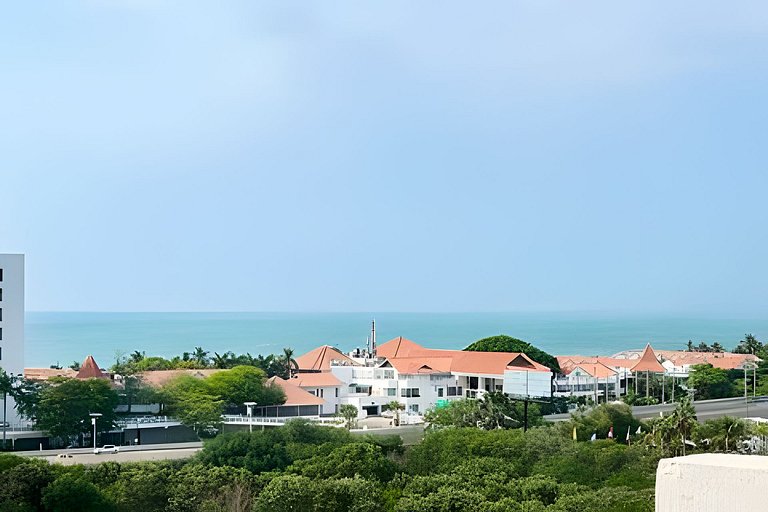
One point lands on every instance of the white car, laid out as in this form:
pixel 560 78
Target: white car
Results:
pixel 107 448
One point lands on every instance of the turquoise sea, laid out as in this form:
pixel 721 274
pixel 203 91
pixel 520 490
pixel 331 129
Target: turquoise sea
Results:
pixel 53 337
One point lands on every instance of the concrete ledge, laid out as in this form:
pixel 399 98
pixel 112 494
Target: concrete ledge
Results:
pixel 712 482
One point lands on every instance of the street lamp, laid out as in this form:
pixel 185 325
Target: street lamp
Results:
pixel 94 416
pixel 250 406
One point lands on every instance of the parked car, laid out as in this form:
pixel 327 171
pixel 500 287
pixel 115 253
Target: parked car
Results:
pixel 64 456
pixel 107 448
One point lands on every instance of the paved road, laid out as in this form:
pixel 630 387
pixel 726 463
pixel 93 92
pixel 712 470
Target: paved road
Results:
pixel 127 453
pixel 705 409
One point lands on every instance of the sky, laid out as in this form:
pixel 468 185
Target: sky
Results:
pixel 386 156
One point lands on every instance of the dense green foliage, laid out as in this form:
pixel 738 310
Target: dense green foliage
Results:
pixel 503 343
pixel 138 362
pixel 709 382
pixel 492 411
pixel 302 467
pixel 200 402
pixel 64 408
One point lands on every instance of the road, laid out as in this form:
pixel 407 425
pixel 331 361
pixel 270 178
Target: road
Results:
pixel 127 453
pixel 705 409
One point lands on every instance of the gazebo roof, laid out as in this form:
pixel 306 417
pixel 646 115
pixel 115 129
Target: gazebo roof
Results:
pixel 648 362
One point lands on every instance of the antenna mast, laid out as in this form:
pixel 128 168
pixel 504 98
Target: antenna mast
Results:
pixel 373 338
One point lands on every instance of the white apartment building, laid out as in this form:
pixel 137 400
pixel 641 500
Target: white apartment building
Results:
pixel 417 377
pixel 11 321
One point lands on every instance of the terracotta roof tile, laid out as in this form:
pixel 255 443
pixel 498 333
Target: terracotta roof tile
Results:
pixel 316 380
pixel 90 370
pixel 320 359
pixel 648 362
pixel 294 395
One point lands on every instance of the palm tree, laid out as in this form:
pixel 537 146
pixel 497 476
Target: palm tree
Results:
pixel 396 406
pixel 349 413
pixel 200 356
pixel 137 356
pixel 683 420
pixel 290 363
pixel 6 388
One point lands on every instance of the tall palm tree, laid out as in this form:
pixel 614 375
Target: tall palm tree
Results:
pixel 6 388
pixel 396 406
pixel 291 366
pixel 200 356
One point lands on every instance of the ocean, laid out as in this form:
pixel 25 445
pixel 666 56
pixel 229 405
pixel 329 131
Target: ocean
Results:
pixel 62 338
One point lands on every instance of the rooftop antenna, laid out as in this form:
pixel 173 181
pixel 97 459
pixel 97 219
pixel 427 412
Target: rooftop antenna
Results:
pixel 373 338
pixel 368 344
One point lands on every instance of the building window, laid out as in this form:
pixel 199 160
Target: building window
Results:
pixel 1 314
pixel 391 391
pixel 439 392
pixel 1 294
pixel 1 275
pixel 413 407
pixel 410 393
pixel 455 391
pixel 473 382
pixel 337 393
pixel 322 392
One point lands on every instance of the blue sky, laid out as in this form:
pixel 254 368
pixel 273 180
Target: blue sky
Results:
pixel 386 156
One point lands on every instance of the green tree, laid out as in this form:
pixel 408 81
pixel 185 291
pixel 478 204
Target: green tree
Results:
pixel 710 382
pixel 24 483
pixel 749 345
pixel 68 493
pixel 244 384
pixel 191 401
pixel 722 434
pixel 396 407
pixel 64 408
pixel 504 343
pixel 349 413
pixel 363 459
pixel 493 411
pixel 6 389
pixel 291 367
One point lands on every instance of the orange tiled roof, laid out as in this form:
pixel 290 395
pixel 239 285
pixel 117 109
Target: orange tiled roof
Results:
pixel 90 370
pixel 409 357
pixel 648 362
pixel 316 380
pixel 596 370
pixel 320 359
pixel 724 360
pixel 47 373
pixel 568 362
pixel 400 347
pixel 294 395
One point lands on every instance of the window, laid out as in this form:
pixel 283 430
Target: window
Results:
pixel 473 383
pixel 337 393
pixel 391 391
pixel 455 391
pixel 1 275
pixel 439 392
pixel 410 393
pixel 322 392
pixel 1 294
pixel 413 407
pixel 1 314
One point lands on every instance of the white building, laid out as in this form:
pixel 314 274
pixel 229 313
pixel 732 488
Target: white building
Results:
pixel 11 320
pixel 417 377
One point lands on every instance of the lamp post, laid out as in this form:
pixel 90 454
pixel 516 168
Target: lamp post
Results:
pixel 249 406
pixel 94 416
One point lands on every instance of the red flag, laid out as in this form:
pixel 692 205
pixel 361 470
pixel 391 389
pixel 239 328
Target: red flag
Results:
pixel 610 433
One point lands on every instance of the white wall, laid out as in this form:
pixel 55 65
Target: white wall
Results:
pixel 12 322
pixel 711 482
